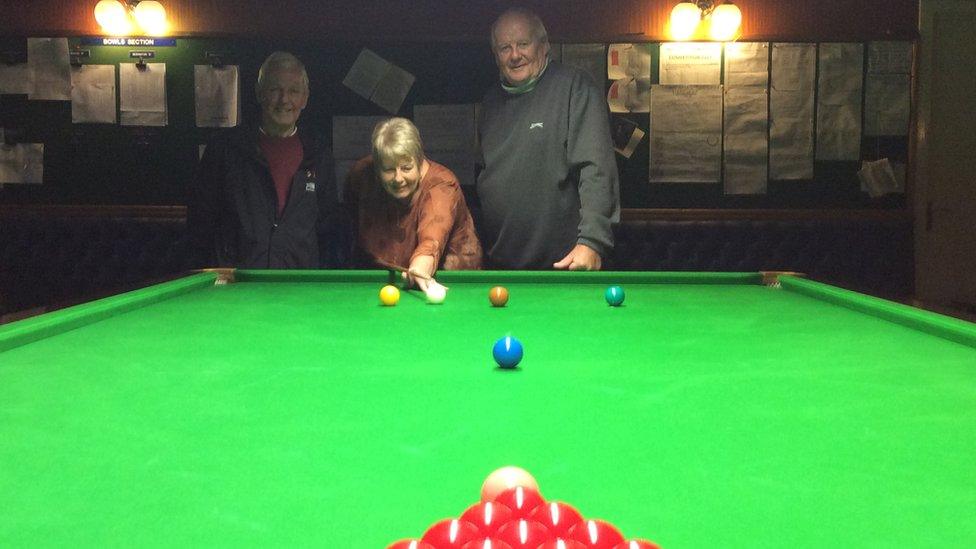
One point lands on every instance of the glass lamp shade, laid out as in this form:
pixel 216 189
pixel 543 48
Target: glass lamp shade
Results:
pixel 111 16
pixel 725 22
pixel 151 17
pixel 684 20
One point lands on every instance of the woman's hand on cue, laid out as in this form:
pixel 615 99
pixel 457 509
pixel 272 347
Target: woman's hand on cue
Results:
pixel 421 271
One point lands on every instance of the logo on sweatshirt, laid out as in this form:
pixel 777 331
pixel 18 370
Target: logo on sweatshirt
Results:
pixel 535 125
pixel 309 181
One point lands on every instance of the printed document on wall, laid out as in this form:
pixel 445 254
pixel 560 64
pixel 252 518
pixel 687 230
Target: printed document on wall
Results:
pixel 747 64
pixel 49 67
pixel 791 111
pixel 629 66
pixel 93 94
pixel 216 96
pixel 839 90
pixel 379 81
pixel 686 134
pixel 696 63
pixel 745 143
pixel 890 57
pixel 21 163
pixel 887 104
pixel 142 94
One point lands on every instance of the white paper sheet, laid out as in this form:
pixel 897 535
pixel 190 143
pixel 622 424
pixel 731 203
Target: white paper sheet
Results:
pixel 626 135
pixel 697 63
pixel 887 104
pixel 93 94
pixel 629 66
pixel 628 61
pixel 449 136
pixel 216 95
pixel 21 163
pixel 686 134
pixel 352 136
pixel 890 57
pixel 16 79
pixel 49 67
pixel 366 73
pixel 630 95
pixel 143 94
pixel 839 85
pixel 747 64
pixel 379 81
pixel 745 141
pixel 393 89
pixel 791 111
pixel 587 57
pixel 881 177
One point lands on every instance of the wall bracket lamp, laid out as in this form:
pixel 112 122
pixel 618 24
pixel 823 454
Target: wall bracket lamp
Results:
pixel 721 18
pixel 120 17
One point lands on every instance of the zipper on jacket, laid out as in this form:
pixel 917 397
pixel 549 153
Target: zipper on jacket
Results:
pixel 274 226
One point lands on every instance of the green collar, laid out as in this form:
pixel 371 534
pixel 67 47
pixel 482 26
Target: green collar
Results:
pixel 528 86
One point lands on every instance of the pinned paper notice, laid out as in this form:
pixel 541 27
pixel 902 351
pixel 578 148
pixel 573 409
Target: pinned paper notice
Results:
pixel 21 163
pixel 379 81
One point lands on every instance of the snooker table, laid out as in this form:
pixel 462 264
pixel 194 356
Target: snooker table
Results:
pixel 291 408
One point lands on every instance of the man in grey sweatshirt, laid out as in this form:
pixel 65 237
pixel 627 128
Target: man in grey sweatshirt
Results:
pixel 549 190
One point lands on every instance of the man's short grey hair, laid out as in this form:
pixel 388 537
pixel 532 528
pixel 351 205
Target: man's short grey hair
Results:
pixel 538 29
pixel 280 60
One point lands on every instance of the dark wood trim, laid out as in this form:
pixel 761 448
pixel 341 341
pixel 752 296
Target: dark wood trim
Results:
pixel 627 214
pixel 661 214
pixel 95 211
pixel 429 20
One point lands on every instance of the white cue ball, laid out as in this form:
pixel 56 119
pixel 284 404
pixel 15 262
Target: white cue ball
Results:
pixel 436 294
pixel 503 479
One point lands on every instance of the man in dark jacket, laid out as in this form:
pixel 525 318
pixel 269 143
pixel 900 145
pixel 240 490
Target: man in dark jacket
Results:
pixel 265 197
pixel 549 190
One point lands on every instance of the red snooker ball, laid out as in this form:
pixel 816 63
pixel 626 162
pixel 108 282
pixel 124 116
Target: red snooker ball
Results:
pixel 451 534
pixel 523 534
pixel 559 517
pixel 410 544
pixel 521 500
pixel 562 543
pixel 596 534
pixel 487 543
pixel 638 544
pixel 488 516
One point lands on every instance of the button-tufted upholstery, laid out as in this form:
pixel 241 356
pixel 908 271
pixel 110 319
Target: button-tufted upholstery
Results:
pixel 56 260
pixel 872 256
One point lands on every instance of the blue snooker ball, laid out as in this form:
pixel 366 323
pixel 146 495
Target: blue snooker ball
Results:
pixel 614 295
pixel 507 352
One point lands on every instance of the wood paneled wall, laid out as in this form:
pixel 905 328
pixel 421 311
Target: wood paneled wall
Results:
pixel 468 20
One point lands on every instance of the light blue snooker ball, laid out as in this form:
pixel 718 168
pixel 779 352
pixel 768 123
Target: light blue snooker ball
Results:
pixel 507 352
pixel 614 295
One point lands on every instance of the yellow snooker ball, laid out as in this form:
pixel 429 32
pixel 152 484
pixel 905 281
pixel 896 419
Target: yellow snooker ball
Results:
pixel 389 295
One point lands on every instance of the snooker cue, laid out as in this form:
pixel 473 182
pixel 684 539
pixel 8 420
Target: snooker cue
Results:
pixel 395 267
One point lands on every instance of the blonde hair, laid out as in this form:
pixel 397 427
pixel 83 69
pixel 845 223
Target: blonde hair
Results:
pixel 397 138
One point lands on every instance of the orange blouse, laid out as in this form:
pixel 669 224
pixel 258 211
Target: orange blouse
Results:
pixel 435 221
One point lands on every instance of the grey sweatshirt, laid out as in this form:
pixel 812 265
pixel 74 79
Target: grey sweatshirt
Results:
pixel 550 178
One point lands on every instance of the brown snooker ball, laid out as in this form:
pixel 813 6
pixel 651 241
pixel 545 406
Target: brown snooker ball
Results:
pixel 498 296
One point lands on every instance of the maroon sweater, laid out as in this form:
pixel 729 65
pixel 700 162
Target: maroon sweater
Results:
pixel 284 155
